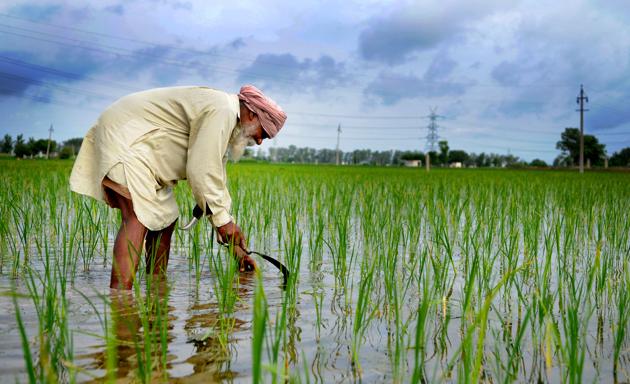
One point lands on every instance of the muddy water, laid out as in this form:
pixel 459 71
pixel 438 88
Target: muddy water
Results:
pixel 195 353
pixel 198 350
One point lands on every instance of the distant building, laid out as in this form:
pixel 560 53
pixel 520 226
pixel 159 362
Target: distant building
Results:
pixel 456 164
pixel 412 163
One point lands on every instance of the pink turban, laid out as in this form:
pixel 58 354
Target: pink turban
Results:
pixel 269 113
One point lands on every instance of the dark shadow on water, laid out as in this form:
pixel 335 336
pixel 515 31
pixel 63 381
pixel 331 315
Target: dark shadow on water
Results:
pixel 140 330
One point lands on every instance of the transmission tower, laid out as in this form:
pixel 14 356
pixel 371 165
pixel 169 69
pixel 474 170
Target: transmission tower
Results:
pixel 338 136
pixel 274 150
pixel 50 132
pixel 580 100
pixel 432 134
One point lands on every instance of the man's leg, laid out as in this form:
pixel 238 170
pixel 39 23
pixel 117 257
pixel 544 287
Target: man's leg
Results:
pixel 128 245
pixel 158 245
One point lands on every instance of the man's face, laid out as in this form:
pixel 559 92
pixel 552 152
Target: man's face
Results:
pixel 252 128
pixel 249 134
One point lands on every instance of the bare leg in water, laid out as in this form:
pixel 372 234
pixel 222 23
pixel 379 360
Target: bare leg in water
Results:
pixel 128 244
pixel 158 244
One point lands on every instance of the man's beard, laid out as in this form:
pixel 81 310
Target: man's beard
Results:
pixel 241 139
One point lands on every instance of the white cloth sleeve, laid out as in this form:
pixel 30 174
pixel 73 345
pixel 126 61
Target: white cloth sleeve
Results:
pixel 207 144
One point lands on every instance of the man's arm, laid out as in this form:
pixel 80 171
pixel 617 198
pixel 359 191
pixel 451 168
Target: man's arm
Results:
pixel 207 143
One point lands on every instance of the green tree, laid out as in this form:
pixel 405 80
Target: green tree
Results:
pixel 443 152
pixel 538 163
pixel 621 158
pixel 482 160
pixel 433 157
pixel 40 146
pixel 412 155
pixel 457 156
pixel 20 149
pixel 66 152
pixel 74 144
pixel 569 144
pixel 6 146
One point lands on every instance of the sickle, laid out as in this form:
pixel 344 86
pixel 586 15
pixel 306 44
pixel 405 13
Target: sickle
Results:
pixel 276 263
pixel 197 213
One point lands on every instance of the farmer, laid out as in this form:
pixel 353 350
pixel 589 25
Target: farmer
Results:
pixel 147 141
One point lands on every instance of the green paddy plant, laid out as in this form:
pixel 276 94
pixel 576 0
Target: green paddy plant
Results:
pixel 225 268
pixel 338 243
pixel 448 276
pixel 259 325
pixel 620 327
pixel 195 252
pixel 22 219
pixel 316 234
pixel 364 310
pixel 143 342
pixel 226 284
pixel 33 375
pixel 292 254
pixel 47 290
pixel 277 344
pixel 419 347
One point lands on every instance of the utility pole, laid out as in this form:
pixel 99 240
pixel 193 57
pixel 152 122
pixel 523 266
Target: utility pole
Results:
pixel 274 154
pixel 580 100
pixel 50 131
pixel 338 136
pixel 432 136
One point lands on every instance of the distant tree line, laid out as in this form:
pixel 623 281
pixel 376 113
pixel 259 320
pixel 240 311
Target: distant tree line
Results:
pixel 569 145
pixel 294 154
pixel 32 147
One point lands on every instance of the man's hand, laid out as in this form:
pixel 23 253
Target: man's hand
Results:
pixel 230 233
pixel 245 262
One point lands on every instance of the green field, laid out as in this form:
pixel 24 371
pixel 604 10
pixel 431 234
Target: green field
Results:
pixel 398 275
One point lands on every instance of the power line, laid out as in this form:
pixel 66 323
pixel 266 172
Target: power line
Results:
pixel 45 100
pixel 350 138
pixel 153 44
pixel 517 149
pixel 65 74
pixel 89 93
pixel 52 85
pixel 351 127
pixel 327 138
pixel 362 127
pixel 74 76
pixel 113 50
pixel 239 58
pixel 356 116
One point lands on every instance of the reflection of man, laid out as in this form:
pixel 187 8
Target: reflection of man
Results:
pixel 127 339
pixel 147 141
pixel 125 325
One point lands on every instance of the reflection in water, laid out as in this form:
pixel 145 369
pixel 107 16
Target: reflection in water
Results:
pixel 139 330
pixel 137 334
pixel 210 331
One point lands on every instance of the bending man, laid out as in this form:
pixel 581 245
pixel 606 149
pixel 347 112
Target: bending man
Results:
pixel 147 141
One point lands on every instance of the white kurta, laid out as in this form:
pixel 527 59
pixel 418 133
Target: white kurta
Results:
pixel 154 138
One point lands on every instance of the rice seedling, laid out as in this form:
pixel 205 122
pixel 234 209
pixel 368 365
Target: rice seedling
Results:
pixel 396 276
pixel 259 324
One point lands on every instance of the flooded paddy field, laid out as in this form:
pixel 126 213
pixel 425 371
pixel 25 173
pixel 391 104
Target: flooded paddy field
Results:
pixel 396 276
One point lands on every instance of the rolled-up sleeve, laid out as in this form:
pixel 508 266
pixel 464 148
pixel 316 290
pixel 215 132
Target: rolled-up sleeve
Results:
pixel 207 144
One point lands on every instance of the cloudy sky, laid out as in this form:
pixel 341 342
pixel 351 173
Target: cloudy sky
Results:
pixel 503 75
